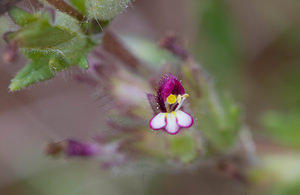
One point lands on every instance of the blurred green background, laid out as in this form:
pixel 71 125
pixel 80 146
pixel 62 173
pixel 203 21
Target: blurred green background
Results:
pixel 250 48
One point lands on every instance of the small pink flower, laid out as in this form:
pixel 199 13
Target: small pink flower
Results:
pixel 170 97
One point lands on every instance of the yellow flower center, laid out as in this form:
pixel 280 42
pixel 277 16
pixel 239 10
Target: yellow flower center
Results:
pixel 171 99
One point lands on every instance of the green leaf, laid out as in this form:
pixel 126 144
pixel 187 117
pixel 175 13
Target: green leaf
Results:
pixel 105 9
pixel 279 171
pixel 219 120
pixel 283 128
pixel 57 63
pixel 218 44
pixel 33 72
pixel 41 34
pixel 83 63
pixel 216 115
pixel 22 17
pixel 79 4
pixel 51 46
pixel 148 51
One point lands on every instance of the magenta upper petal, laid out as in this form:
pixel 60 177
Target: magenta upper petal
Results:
pixel 168 84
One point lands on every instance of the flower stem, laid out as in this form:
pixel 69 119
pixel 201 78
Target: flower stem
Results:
pixel 66 8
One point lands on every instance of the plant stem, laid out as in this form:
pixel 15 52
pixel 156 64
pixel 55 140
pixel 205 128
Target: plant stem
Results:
pixel 66 8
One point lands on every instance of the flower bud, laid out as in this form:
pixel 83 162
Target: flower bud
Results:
pixel 76 148
pixel 72 148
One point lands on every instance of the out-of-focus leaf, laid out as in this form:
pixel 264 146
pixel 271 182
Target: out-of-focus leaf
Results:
pixel 22 17
pixel 79 4
pixel 283 167
pixel 280 171
pixel 83 63
pixel 184 147
pixel 284 128
pixel 287 189
pixel 218 41
pixel 50 45
pixel 148 51
pixel 217 116
pixel 4 23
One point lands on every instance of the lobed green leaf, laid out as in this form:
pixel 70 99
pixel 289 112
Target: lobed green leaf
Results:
pixel 51 46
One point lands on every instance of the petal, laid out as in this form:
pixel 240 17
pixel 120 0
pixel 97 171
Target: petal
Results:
pixel 184 119
pixel 168 84
pixel 158 121
pixel 172 127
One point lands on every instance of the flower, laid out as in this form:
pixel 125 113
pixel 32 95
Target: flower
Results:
pixel 169 98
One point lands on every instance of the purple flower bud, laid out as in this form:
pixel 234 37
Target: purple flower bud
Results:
pixel 72 148
pixel 76 148
pixel 170 43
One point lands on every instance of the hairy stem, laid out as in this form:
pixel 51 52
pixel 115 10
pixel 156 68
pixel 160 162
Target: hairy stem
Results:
pixel 66 8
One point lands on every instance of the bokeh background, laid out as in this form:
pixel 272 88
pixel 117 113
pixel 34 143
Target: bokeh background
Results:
pixel 251 49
